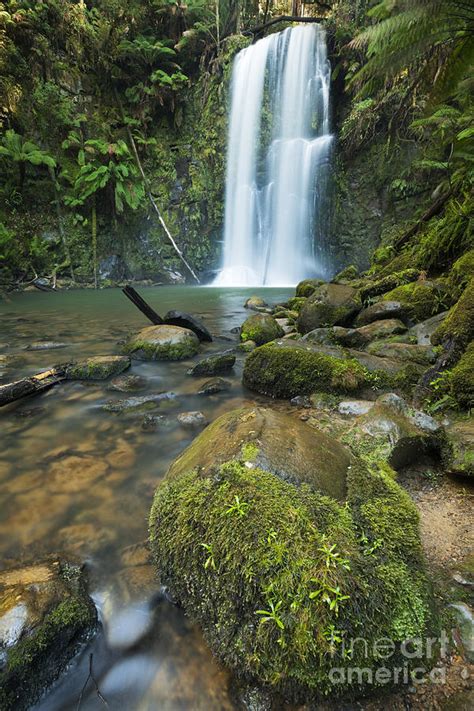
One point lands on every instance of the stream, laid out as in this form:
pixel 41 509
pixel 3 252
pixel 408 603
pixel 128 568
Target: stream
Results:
pixel 77 480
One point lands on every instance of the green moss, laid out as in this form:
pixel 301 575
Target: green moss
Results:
pixel 391 281
pixel 423 298
pixel 347 274
pixel 284 372
pixel 462 379
pixel 260 328
pixel 306 287
pixel 98 368
pixel 249 452
pixel 271 571
pixel 458 326
pixel 462 271
pixel 38 659
pixel 296 303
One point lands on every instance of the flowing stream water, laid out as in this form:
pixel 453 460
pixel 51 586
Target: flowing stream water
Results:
pixel 78 480
pixel 279 146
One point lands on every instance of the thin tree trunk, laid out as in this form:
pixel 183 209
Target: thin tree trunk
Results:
pixel 61 230
pixel 94 238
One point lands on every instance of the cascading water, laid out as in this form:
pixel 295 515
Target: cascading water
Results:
pixel 278 156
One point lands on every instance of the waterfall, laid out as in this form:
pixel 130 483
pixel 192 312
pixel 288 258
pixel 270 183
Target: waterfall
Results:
pixel 279 147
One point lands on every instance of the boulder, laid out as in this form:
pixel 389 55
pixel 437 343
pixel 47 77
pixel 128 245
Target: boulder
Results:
pixel 421 299
pixel 98 368
pixel 163 343
pixel 393 431
pixel 458 326
pixel 288 368
pixel 247 346
pixel 359 337
pixel 459 453
pixel 403 372
pixel 423 331
pixel 192 323
pixel 127 383
pixel 45 617
pixel 274 442
pixel 191 420
pixel 213 365
pixel 462 379
pixel 403 351
pixel 382 310
pixel 261 329
pixel 329 305
pixel 269 564
pixel 138 403
pixel 322 336
pixel 355 407
pixel 286 325
pixel 214 386
pixel 387 283
pixel 347 274
pixel 308 286
pixel 255 303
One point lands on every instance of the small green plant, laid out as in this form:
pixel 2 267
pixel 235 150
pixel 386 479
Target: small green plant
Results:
pixel 210 560
pixel 332 596
pixel 272 615
pixel 332 558
pixel 239 507
pixel 369 547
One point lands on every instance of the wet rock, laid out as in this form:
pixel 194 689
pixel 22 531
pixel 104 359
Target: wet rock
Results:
pixel 45 616
pixel 261 329
pixel 459 455
pixel 307 287
pixel 45 346
pixel 355 407
pixel 360 337
pixel 285 325
pixel 329 305
pixel 389 366
pixel 192 323
pixel 404 351
pixel 263 438
pixel 321 336
pixel 127 383
pixel 423 331
pixel 138 403
pixel 149 423
pixel 163 343
pixel 98 368
pixel 301 401
pixel 214 386
pixel 381 310
pixel 191 420
pixel 214 364
pixel 255 303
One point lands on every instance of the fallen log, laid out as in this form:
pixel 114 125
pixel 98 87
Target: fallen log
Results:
pixel 142 305
pixel 30 386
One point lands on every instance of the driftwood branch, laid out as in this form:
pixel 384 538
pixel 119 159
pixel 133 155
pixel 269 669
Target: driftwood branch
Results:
pixel 142 305
pixel 435 209
pixel 30 386
pixel 93 679
pixel 281 18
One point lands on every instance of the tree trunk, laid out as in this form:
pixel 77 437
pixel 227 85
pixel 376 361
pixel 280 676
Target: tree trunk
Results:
pixel 94 239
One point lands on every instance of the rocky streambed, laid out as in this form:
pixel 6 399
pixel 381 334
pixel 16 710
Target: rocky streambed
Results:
pixel 283 531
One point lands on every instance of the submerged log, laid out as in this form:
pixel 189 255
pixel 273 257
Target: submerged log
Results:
pixel 30 386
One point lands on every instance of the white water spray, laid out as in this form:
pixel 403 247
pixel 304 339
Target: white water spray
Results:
pixel 278 155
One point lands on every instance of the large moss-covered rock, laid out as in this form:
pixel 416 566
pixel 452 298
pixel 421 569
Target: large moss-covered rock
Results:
pixel 458 326
pixel 329 305
pixel 288 368
pixel 163 343
pixel 278 575
pixel 459 453
pixel 360 337
pixel 421 299
pixel 260 328
pixel 98 368
pixel 45 616
pixel 381 310
pixel 462 379
pixel 403 351
pixel 308 286
pixel 214 364
pixel 272 441
pixel 391 281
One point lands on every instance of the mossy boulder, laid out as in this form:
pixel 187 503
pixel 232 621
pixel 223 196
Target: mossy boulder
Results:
pixel 458 326
pixel 163 343
pixel 98 368
pixel 288 368
pixel 392 431
pixel 330 305
pixel 296 303
pixel 421 299
pixel 348 274
pixel 308 286
pixel 274 442
pixel 45 616
pixel 391 281
pixel 282 578
pixel 462 379
pixel 214 364
pixel 260 328
pixel 403 351
pixel 459 453
pixel 255 303
pixel 380 311
pixel 360 337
